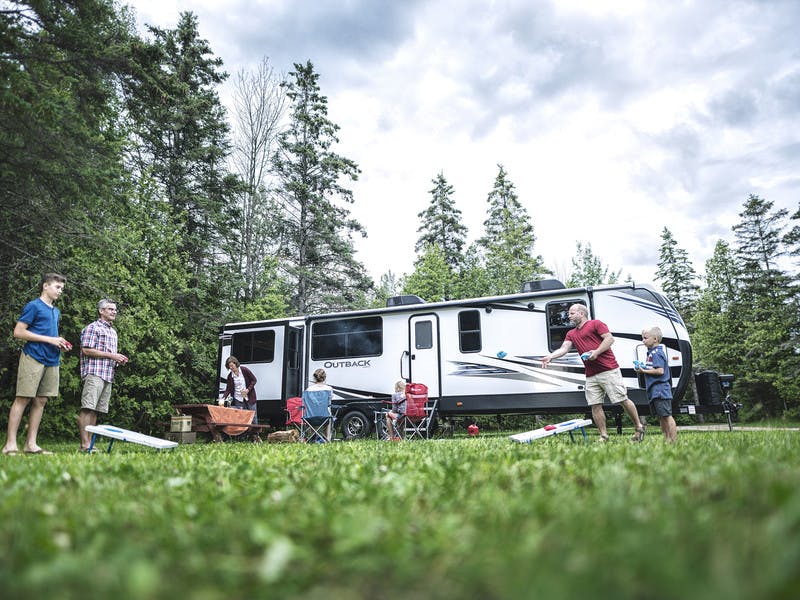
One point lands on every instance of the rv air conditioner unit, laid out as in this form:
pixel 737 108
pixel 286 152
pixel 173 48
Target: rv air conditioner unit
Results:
pixel 404 300
pixel 541 285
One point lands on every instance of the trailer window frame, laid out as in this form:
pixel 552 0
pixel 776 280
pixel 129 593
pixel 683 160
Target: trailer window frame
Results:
pixel 469 333
pixel 423 334
pixel 557 319
pixel 352 337
pixel 254 347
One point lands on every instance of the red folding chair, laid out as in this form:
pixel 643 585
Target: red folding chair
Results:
pixel 416 420
pixel 294 413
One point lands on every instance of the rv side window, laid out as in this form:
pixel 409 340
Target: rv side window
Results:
pixel 558 322
pixel 254 346
pixel 672 312
pixel 469 331
pixel 423 335
pixel 347 338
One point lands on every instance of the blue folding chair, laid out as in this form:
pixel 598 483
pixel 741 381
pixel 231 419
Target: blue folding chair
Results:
pixel 317 420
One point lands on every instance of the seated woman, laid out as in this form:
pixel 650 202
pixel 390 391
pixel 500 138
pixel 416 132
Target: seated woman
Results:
pixel 241 386
pixel 317 385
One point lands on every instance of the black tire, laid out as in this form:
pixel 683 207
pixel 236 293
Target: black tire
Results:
pixel 355 425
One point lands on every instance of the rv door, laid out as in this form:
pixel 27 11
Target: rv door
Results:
pixel 293 376
pixel 424 352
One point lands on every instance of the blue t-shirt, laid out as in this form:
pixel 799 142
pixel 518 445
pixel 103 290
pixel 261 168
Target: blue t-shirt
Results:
pixel 42 319
pixel 658 386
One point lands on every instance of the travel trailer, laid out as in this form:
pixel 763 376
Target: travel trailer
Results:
pixel 477 356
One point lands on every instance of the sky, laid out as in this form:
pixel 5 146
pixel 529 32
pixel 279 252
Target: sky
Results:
pixel 612 119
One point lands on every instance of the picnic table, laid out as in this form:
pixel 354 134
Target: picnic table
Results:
pixel 213 419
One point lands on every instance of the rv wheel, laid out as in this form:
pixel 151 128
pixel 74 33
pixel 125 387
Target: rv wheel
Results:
pixel 355 425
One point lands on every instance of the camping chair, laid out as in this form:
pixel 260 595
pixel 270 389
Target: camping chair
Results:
pixel 317 420
pixel 417 420
pixel 294 413
pixel 381 429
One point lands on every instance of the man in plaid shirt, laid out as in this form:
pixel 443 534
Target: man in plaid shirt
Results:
pixel 99 358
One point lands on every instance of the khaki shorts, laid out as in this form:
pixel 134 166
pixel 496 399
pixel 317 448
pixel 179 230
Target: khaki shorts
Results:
pixel 606 383
pixel 96 394
pixel 35 380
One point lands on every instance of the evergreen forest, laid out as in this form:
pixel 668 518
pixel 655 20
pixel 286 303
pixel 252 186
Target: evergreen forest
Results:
pixel 121 169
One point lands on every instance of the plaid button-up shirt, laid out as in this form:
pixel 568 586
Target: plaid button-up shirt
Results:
pixel 99 335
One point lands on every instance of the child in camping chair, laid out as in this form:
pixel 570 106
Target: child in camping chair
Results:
pixel 398 409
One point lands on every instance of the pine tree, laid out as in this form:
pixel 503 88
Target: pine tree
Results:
pixel 722 288
pixel 588 269
pixel 507 245
pixel 758 247
pixel 677 275
pixel 792 240
pixel 473 280
pixel 316 253
pixel 182 134
pixel 389 285
pixel 764 302
pixel 790 371
pixel 179 145
pixel 432 279
pixel 60 144
pixel 441 224
pixel 718 328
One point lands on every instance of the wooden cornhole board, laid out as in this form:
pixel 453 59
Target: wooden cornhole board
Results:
pixel 548 430
pixel 117 433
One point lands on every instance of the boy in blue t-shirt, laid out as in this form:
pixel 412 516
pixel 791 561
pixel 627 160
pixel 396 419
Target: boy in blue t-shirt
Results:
pixel 37 376
pixel 658 382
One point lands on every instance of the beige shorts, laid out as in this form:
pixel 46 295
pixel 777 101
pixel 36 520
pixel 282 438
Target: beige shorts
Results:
pixel 35 380
pixel 96 394
pixel 606 383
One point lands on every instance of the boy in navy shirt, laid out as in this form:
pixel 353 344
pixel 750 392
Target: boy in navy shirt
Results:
pixel 37 377
pixel 658 382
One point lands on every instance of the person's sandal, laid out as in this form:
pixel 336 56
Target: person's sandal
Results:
pixel 639 435
pixel 603 438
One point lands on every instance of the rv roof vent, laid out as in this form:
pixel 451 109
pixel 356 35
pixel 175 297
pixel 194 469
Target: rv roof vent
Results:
pixel 404 300
pixel 542 285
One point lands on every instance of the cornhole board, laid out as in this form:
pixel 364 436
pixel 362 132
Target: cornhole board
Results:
pixel 548 430
pixel 117 433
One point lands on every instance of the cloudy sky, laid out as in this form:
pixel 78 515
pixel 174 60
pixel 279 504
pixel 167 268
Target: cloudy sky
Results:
pixel 613 119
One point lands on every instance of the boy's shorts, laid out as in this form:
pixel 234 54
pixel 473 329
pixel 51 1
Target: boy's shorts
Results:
pixel 96 394
pixel 36 380
pixel 662 407
pixel 606 383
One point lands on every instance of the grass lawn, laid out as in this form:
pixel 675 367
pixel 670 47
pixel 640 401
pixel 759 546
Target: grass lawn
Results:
pixel 717 515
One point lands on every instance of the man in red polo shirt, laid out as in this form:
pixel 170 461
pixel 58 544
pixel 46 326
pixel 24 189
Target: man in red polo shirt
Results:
pixel 593 340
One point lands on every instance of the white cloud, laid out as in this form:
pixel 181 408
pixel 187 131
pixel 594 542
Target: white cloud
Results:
pixel 613 119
